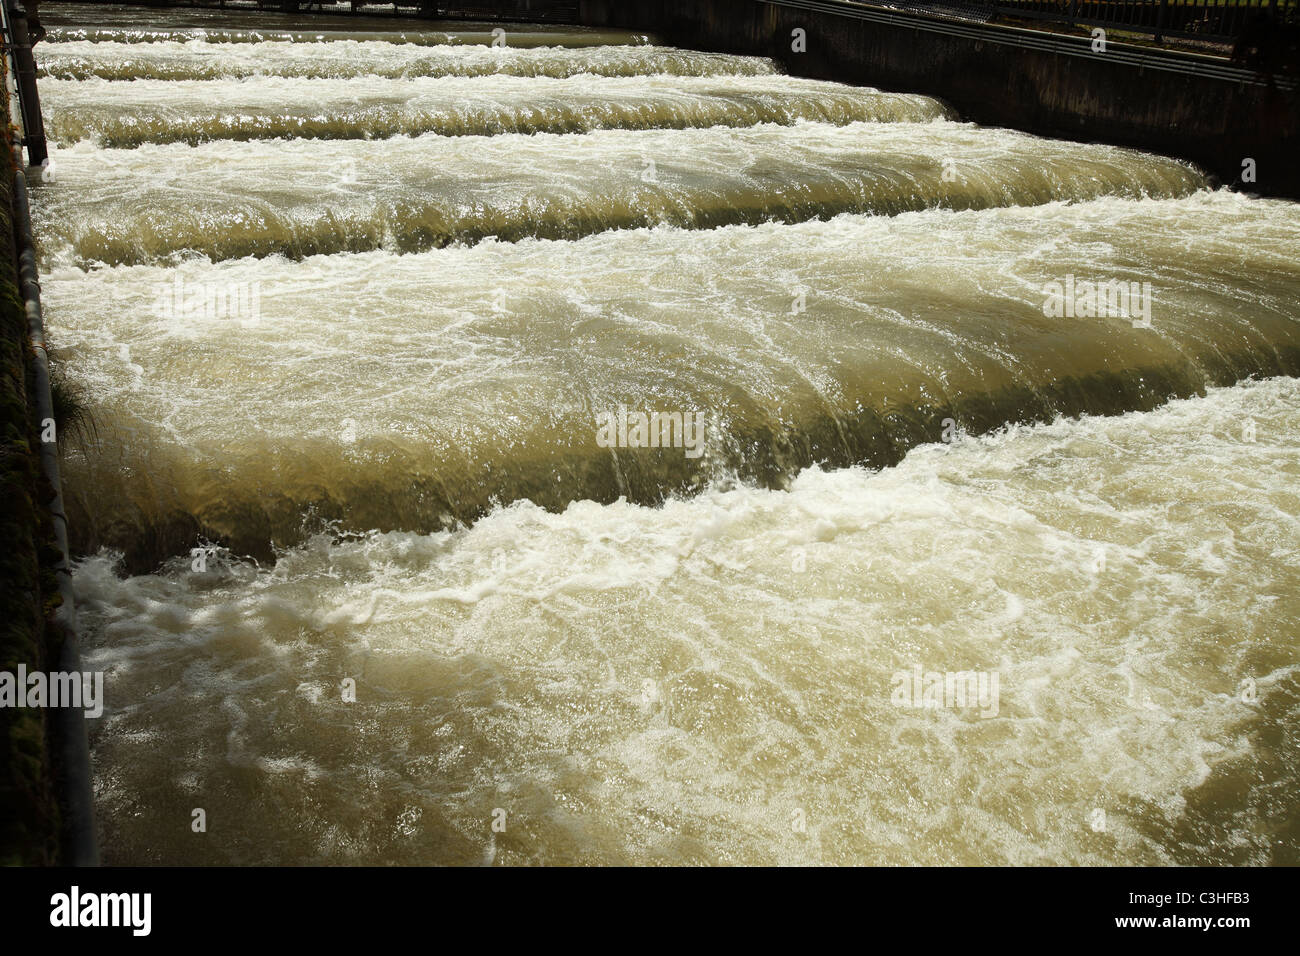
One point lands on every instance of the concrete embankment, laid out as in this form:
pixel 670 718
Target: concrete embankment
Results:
pixel 1230 121
pixel 29 818
pixel 45 790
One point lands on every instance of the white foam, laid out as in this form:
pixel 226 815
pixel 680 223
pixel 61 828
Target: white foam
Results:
pixel 643 684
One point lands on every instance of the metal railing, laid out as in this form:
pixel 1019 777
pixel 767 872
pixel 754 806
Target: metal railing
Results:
pixel 1218 20
pixel 1261 23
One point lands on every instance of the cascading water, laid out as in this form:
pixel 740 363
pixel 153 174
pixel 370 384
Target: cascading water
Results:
pixel 349 308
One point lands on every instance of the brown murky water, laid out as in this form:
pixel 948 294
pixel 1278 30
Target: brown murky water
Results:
pixel 349 309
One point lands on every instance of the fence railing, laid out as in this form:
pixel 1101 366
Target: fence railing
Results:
pixel 1221 20
pixel 1218 21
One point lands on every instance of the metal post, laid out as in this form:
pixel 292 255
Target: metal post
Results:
pixel 29 101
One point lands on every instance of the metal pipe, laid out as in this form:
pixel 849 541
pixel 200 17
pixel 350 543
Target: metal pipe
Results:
pixel 25 73
pixel 72 742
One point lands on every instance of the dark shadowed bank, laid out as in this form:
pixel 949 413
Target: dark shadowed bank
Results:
pixel 30 774
pixel 28 817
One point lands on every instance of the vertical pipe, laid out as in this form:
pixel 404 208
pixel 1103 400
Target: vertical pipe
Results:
pixel 25 74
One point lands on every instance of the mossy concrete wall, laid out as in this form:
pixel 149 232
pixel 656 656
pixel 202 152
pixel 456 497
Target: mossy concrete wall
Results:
pixel 29 816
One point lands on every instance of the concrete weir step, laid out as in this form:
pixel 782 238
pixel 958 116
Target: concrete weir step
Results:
pixel 1232 121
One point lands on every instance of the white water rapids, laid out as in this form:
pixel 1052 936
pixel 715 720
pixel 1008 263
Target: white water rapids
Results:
pixel 346 309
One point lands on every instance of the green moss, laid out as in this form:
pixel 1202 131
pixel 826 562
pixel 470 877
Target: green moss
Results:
pixel 29 817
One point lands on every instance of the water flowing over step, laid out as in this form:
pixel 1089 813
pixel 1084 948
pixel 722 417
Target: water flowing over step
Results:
pixel 487 384
pixel 393 373
pixel 229 200
pixel 531 36
pixel 342 59
pixel 153 111
pixel 670 685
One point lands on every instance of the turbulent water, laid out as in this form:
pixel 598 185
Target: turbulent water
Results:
pixel 301 198
pixel 347 314
pixel 148 111
pixel 674 684
pixel 345 59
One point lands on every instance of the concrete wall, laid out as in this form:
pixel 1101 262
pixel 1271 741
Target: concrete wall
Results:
pixel 993 79
pixel 29 818
pixel 522 10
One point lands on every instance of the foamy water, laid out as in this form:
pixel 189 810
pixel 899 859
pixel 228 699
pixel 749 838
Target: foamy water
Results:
pixel 484 369
pixel 298 198
pixel 685 684
pixel 347 301
pixel 116 114
pixel 346 58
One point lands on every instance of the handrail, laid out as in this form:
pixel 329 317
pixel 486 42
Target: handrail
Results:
pixel 1222 22
pixel 1217 21
pixel 1190 64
